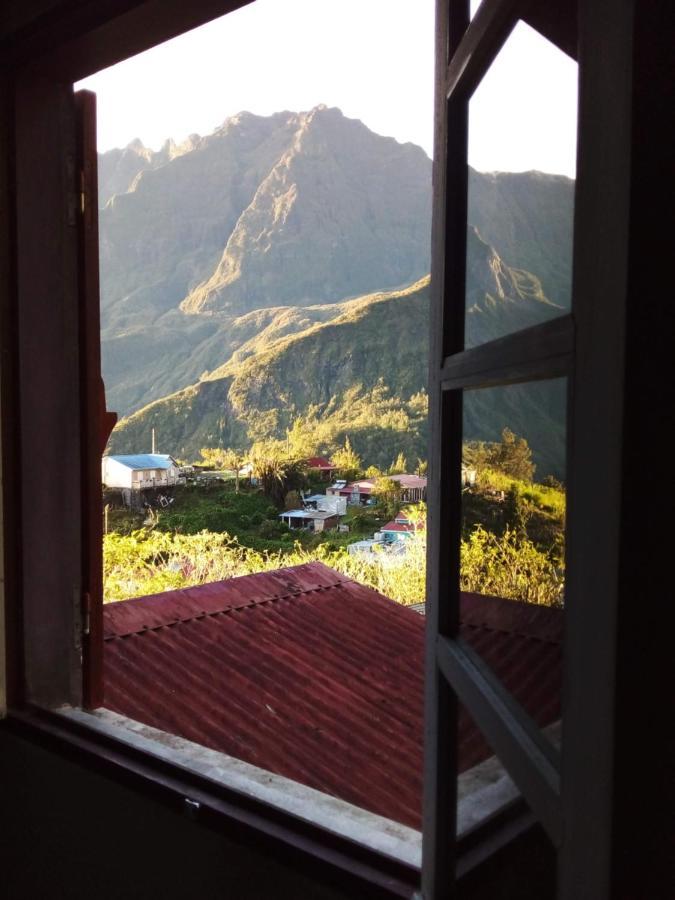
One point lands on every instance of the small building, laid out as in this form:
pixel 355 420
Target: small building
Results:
pixel 321 467
pixel 368 548
pixel 326 503
pixel 469 475
pixel 397 531
pixel 355 493
pixel 140 471
pixel 413 489
pixel 310 519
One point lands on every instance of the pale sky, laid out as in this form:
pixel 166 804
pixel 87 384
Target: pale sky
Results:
pixel 371 58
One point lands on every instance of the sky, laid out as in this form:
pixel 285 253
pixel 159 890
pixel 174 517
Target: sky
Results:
pixel 371 58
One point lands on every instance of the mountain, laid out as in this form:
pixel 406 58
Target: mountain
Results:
pixel 359 368
pixel 343 211
pixel 279 218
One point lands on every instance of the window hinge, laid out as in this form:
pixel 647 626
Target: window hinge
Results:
pixel 83 192
pixel 86 612
pixel 77 193
pixel 72 183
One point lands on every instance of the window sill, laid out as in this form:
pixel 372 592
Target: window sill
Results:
pixel 381 857
pixel 376 833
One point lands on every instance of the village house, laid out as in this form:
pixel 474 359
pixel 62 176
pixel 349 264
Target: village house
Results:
pixel 320 467
pixel 399 529
pixel 140 471
pixel 310 519
pixel 326 503
pixel 413 489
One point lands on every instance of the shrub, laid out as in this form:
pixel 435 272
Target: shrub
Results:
pixel 510 566
pixel 146 562
pixel 272 528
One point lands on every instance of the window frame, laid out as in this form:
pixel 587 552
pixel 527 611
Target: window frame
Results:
pixel 88 37
pixel 569 792
pixel 49 608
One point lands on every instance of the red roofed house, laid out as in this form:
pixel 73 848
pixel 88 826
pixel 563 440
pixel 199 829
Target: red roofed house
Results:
pixel 321 467
pixel 413 489
pixel 312 676
pixel 398 530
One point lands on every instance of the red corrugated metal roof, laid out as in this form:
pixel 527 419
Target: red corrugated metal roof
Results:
pixel 410 481
pixel 319 462
pixel 362 487
pixel 397 526
pixel 313 676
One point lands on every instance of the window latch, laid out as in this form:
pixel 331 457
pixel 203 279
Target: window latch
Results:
pixel 191 808
pixel 86 612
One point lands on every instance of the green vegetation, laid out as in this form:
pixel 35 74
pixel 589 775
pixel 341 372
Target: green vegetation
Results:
pixel 509 565
pixel 512 545
pixel 146 562
pixel 359 375
pixel 348 462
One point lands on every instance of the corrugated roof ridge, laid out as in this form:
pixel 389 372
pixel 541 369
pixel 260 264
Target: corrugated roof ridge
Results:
pixel 509 632
pixel 500 615
pixel 256 601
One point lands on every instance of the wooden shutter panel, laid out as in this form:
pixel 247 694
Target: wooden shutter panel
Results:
pixel 96 422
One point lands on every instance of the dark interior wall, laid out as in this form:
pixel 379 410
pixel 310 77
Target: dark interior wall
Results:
pixel 71 833
pixel 16 16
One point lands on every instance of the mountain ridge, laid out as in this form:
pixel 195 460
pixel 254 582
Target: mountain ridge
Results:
pixel 349 351
pixel 216 252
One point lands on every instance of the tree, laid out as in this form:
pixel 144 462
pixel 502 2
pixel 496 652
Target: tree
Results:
pixel 347 461
pixel 477 454
pixel 399 465
pixel 513 457
pixel 422 467
pixel 516 513
pixel 293 500
pixel 301 440
pixel 225 458
pixel 388 494
pixel 416 514
pixel 551 481
pixel 277 473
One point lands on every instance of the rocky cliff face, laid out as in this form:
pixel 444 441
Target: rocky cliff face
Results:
pixel 216 255
pixel 341 212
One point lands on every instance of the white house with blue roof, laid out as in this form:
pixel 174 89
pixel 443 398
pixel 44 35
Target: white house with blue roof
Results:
pixel 140 471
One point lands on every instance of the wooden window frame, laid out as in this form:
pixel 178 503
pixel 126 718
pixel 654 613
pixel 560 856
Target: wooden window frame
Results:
pixel 41 395
pixel 51 385
pixel 568 791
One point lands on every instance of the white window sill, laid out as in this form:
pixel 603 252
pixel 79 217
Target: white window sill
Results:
pixel 482 790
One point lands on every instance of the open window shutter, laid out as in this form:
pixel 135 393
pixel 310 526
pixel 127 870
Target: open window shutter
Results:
pixel 96 422
pixel 454 673
pixel 578 794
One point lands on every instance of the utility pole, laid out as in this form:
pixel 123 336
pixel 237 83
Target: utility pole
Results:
pixel 153 440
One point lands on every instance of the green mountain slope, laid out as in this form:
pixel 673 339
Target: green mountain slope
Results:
pixel 287 211
pixel 359 368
